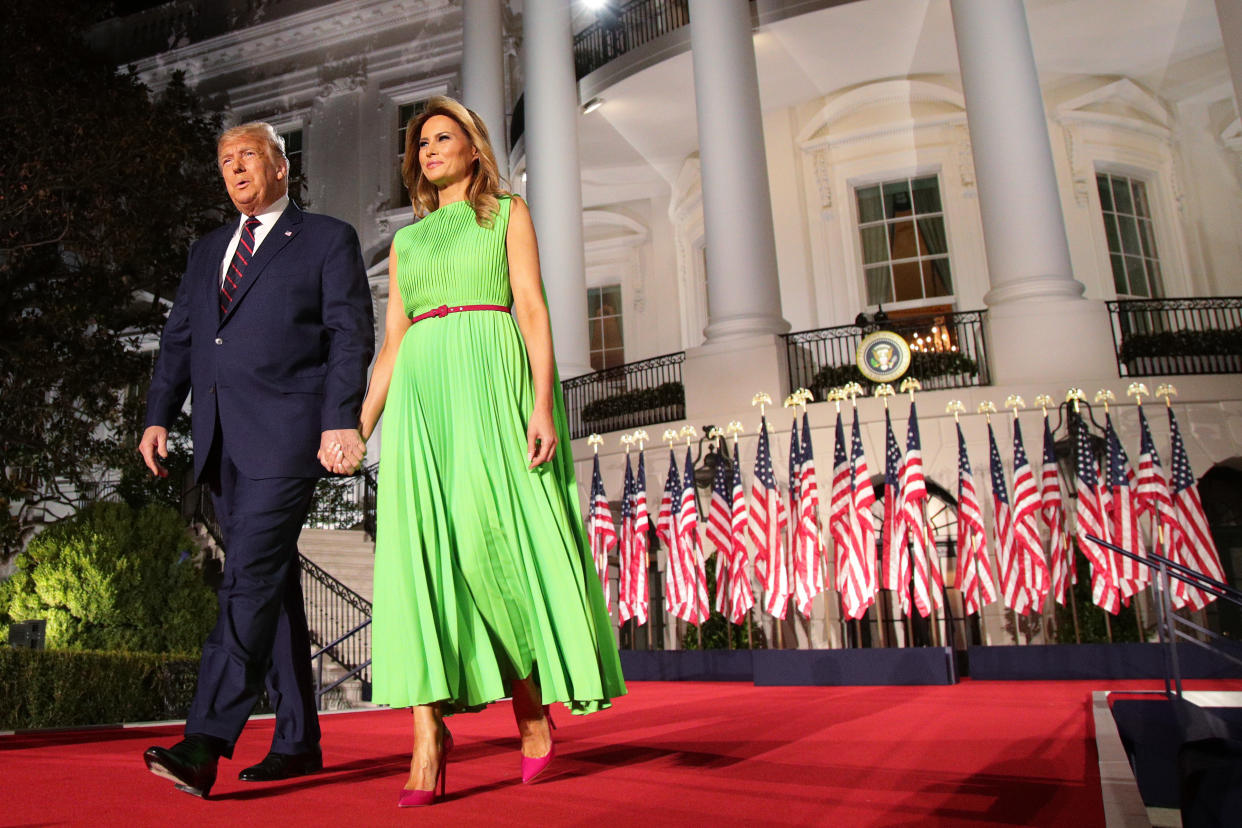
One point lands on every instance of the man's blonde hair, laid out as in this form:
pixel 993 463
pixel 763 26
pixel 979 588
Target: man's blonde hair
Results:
pixel 258 129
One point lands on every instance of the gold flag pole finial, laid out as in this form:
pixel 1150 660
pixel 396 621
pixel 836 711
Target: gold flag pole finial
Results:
pixel 1138 390
pixel 595 441
pixel 791 402
pixel 716 434
pixel 627 440
pixel 1015 402
pixel 911 384
pixel 763 400
pixel 688 431
pixel 987 408
pixel 1043 401
pixel 955 408
pixel 1075 396
pixel 1168 392
pixel 641 437
pixel 834 396
pixel 735 428
pixel 884 390
pixel 852 390
pixel 670 437
pixel 1105 396
pixel 804 396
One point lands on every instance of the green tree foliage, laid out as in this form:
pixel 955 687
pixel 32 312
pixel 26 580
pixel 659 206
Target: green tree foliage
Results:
pixel 1095 626
pixel 717 630
pixel 103 186
pixel 113 578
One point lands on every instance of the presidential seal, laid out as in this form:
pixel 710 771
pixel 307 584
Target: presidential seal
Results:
pixel 883 356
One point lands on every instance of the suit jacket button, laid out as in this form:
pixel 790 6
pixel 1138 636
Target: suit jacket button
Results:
pixel 219 341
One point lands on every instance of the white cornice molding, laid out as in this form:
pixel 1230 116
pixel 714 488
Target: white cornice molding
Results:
pixel 286 37
pixel 873 94
pixel 1155 117
pixel 1231 136
pixel 906 126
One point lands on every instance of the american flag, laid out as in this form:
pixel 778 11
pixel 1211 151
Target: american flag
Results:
pixel 864 522
pixel 849 564
pixel 642 542
pixel 741 598
pixel 1151 493
pixel 1052 507
pixel 697 609
pixel 810 553
pixel 720 525
pixel 1006 561
pixel 974 573
pixel 896 568
pixel 1190 539
pixel 1122 511
pixel 676 584
pixel 1089 519
pixel 632 569
pixel 601 531
pixel 794 538
pixel 1027 547
pixel 767 530
pixel 928 579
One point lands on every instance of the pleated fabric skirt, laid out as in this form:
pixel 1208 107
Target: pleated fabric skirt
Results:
pixel 483 572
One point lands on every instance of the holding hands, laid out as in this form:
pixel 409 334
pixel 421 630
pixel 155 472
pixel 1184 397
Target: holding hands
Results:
pixel 341 451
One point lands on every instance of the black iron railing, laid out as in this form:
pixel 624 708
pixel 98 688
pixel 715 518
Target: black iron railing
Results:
pixel 625 26
pixel 339 621
pixel 345 502
pixel 1170 626
pixel 626 396
pixel 1156 337
pixel 949 351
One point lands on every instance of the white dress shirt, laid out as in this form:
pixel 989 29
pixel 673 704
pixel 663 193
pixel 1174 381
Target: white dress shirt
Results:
pixel 266 219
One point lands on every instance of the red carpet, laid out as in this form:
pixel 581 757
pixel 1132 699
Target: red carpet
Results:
pixel 979 753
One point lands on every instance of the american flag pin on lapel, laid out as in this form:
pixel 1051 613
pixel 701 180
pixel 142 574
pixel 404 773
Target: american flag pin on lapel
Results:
pixel 288 232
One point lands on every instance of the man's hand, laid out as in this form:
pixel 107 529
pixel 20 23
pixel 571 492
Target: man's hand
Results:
pixel 341 450
pixel 154 440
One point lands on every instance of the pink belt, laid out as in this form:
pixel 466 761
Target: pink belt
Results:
pixel 445 310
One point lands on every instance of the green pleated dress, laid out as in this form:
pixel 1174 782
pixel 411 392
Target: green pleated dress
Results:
pixel 483 571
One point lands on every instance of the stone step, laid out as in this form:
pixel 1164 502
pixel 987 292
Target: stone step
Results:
pixel 345 554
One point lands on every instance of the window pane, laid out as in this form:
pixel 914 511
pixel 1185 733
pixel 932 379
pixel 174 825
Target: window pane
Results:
pixel 926 194
pixel 896 199
pixel 879 285
pixel 932 240
pixel 1121 195
pixel 1129 235
pixel 1106 194
pixel 1136 276
pixel 597 360
pixel 1110 232
pixel 610 300
pixel 869 205
pixel 874 244
pixel 1155 280
pixel 1140 199
pixel 907 282
pixel 597 335
pixel 612 331
pixel 593 302
pixel 902 240
pixel 936 278
pixel 1145 236
pixel 1119 274
pixel 614 358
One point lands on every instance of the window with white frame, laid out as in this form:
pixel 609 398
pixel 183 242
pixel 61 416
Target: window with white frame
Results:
pixel 1131 237
pixel 905 253
pixel 405 113
pixel 604 320
pixel 294 152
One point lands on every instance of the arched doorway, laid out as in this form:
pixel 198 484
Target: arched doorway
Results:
pixel 1221 492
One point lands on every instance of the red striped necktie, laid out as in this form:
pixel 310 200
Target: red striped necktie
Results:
pixel 237 267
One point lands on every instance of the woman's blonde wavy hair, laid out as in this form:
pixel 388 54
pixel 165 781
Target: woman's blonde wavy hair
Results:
pixel 485 183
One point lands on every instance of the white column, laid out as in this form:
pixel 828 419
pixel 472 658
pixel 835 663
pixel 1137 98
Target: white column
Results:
pixel 1034 297
pixel 483 71
pixel 1229 13
pixel 743 290
pixel 553 179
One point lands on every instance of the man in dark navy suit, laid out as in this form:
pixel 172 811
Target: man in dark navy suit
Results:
pixel 272 331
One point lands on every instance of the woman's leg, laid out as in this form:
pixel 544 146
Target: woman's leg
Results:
pixel 428 747
pixel 532 721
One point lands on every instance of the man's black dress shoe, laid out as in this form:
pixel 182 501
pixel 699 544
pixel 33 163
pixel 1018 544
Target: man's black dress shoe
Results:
pixel 190 764
pixel 277 766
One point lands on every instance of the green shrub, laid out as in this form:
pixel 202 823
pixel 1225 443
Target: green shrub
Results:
pixel 62 688
pixel 628 402
pixel 923 365
pixel 112 578
pixel 1208 342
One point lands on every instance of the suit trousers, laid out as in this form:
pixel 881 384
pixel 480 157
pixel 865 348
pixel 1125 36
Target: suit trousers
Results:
pixel 260 637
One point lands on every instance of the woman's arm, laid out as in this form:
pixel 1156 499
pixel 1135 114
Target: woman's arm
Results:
pixel 532 318
pixel 396 323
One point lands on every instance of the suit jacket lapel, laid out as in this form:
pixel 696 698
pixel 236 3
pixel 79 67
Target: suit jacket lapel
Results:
pixel 282 232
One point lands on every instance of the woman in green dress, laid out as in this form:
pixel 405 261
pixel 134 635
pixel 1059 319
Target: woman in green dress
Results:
pixel 484 585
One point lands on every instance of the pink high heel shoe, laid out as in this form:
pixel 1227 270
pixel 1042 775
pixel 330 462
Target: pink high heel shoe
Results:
pixel 417 799
pixel 532 767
